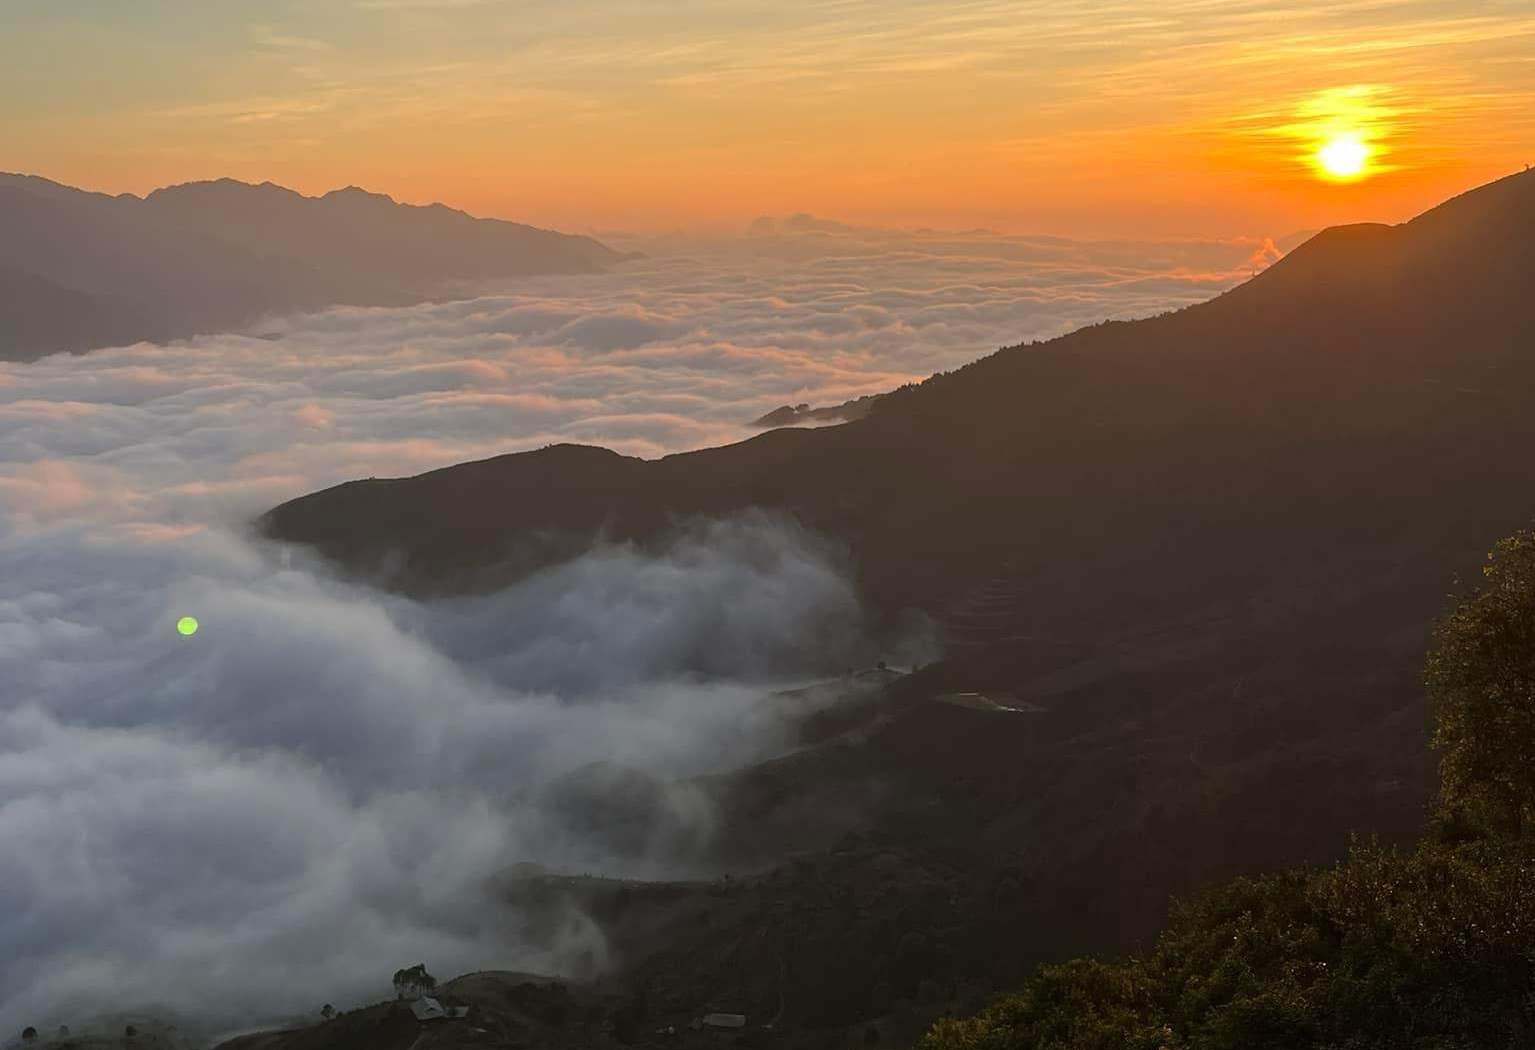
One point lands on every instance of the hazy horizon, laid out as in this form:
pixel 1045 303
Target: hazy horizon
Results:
pixel 747 226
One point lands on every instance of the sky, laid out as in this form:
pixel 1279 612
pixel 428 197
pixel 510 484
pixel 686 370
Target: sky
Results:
pixel 1123 118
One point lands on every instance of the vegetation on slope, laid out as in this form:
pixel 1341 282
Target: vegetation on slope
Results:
pixel 1432 947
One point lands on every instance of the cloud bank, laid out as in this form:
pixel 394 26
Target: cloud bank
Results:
pixel 321 784
pixel 325 778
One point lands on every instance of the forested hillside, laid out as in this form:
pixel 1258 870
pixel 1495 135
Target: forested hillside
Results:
pixel 1428 947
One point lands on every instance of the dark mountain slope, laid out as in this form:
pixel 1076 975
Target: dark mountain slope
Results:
pixel 211 256
pixel 36 314
pixel 1208 544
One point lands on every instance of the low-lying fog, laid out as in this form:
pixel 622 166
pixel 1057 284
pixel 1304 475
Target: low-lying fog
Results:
pixel 315 788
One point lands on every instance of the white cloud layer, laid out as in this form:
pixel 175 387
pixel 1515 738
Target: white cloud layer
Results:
pixel 324 779
pixel 317 787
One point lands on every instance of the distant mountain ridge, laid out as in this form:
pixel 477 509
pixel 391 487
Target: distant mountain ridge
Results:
pixel 80 270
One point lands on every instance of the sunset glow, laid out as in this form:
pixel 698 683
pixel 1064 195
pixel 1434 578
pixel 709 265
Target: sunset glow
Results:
pixel 1173 117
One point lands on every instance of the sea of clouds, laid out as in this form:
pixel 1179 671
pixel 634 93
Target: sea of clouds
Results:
pixel 322 783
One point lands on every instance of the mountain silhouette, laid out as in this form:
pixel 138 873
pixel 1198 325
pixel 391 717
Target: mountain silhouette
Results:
pixel 1292 396
pixel 81 270
pixel 1203 549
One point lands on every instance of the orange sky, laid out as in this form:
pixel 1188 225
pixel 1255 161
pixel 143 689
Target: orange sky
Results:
pixel 1128 117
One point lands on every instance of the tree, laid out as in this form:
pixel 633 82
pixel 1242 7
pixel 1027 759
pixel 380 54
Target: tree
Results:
pixel 413 981
pixel 1481 686
pixel 28 1034
pixel 327 1011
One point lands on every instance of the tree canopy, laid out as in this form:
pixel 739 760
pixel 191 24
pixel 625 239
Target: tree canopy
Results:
pixel 1481 685
pixel 413 980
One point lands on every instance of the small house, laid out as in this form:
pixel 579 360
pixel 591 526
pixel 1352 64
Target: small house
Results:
pixel 427 1008
pixel 430 1008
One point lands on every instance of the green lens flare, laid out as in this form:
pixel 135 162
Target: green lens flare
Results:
pixel 187 625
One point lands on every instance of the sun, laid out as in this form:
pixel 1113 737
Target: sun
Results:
pixel 1344 156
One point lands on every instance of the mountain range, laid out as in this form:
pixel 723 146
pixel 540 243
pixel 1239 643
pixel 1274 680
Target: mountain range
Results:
pixel 81 270
pixel 1184 569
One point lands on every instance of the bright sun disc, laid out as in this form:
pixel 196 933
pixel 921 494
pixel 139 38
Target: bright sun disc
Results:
pixel 187 625
pixel 1343 156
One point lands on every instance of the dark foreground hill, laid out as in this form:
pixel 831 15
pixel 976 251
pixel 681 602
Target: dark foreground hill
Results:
pixel 1390 948
pixel 80 270
pixel 1206 547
